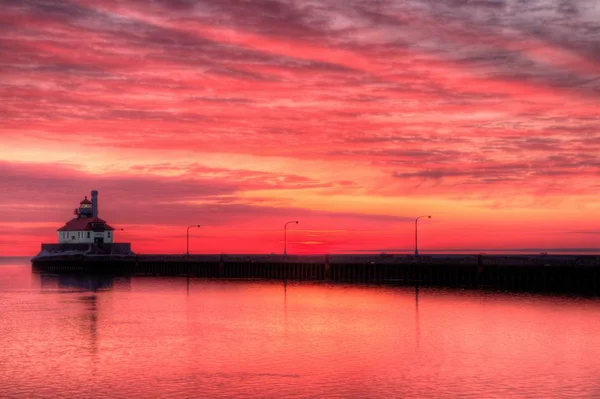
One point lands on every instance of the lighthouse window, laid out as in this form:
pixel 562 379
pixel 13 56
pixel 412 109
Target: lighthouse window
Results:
pixel 109 234
pixel 88 234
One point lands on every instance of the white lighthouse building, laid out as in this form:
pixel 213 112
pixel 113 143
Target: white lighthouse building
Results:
pixel 87 227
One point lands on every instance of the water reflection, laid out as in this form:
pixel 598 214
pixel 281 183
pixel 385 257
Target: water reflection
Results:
pixel 285 307
pixel 89 320
pixel 75 336
pixel 81 282
pixel 417 322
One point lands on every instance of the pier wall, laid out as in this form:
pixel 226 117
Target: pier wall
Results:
pixel 580 274
pixel 115 248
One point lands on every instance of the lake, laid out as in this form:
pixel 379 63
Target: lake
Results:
pixel 146 337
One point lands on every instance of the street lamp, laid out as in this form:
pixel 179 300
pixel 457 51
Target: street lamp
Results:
pixel 285 236
pixel 188 238
pixel 112 246
pixel 416 234
pixel 113 234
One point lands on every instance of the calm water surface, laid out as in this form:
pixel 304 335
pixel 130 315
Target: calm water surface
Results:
pixel 150 337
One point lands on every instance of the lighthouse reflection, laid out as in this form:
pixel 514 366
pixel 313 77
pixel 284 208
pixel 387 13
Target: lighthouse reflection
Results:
pixel 87 283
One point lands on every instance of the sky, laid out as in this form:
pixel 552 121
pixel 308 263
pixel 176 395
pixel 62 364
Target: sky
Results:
pixel 353 117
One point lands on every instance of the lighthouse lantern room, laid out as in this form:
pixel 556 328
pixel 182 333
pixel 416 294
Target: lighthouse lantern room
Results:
pixel 86 227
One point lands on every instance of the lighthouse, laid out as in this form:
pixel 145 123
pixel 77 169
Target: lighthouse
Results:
pixel 86 227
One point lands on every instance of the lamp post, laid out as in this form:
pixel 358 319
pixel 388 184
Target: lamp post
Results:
pixel 285 236
pixel 187 252
pixel 113 234
pixel 111 246
pixel 417 234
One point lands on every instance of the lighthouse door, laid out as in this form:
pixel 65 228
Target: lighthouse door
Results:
pixel 99 241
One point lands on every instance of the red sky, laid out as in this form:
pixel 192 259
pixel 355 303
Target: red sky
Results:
pixel 353 117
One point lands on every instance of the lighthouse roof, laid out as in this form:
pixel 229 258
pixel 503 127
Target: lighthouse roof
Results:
pixel 79 224
pixel 86 201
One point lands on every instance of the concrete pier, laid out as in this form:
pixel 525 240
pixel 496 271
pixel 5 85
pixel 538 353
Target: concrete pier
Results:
pixel 577 274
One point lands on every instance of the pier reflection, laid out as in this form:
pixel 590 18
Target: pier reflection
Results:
pixel 80 282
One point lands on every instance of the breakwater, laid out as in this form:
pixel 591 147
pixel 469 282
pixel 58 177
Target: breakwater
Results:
pixel 577 274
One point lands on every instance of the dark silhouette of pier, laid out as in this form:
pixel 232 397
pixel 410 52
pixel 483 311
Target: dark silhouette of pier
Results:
pixel 560 273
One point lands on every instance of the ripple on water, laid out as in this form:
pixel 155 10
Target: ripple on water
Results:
pixel 147 338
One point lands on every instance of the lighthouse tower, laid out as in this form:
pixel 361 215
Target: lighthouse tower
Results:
pixel 85 208
pixel 86 227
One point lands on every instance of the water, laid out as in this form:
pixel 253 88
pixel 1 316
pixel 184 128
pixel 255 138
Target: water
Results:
pixel 65 337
